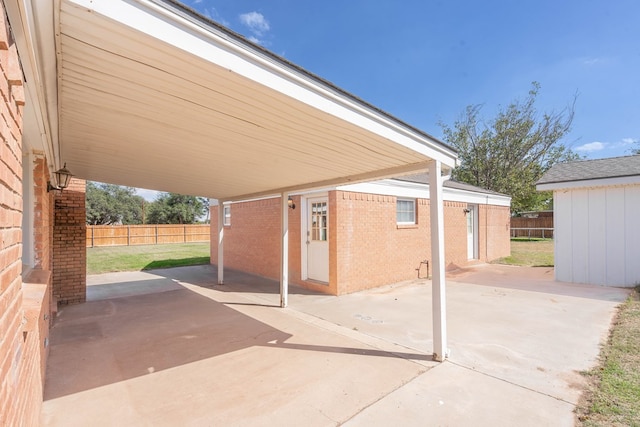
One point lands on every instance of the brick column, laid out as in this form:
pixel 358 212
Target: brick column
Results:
pixel 69 244
pixel 42 215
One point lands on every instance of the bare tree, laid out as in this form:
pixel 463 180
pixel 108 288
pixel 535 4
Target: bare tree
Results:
pixel 511 151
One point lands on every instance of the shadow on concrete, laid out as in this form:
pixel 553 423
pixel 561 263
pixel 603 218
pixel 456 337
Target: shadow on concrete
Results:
pixel 139 327
pixel 234 280
pixel 172 262
pixel 351 350
pixel 112 340
pixel 250 304
pixel 126 288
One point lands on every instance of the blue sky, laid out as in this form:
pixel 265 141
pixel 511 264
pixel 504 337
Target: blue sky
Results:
pixel 425 61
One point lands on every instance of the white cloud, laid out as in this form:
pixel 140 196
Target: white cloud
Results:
pixel 592 146
pixel 629 141
pixel 591 61
pixel 256 23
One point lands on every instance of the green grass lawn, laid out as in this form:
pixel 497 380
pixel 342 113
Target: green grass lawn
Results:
pixel 145 257
pixel 614 395
pixel 530 252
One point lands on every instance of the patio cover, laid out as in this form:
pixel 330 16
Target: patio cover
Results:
pixel 147 93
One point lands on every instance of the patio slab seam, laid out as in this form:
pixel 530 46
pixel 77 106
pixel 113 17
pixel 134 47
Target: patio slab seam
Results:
pixel 382 399
pixel 513 383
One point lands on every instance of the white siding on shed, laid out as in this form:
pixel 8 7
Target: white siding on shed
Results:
pixel 615 237
pixel 597 237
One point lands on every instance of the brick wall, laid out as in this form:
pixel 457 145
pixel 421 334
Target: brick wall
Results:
pixel 378 251
pixel 69 241
pixel 495 227
pixel 455 235
pixel 252 241
pixel 294 242
pixel 36 323
pixel 40 306
pixel 43 215
pixel 20 379
pixel 372 250
pixel 367 248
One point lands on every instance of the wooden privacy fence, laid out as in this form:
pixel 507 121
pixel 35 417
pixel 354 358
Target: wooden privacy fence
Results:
pixel 150 234
pixel 532 227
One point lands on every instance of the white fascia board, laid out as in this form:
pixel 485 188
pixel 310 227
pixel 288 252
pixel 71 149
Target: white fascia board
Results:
pixel 332 183
pixel 590 183
pixel 457 195
pixel 33 34
pixel 414 190
pixel 311 193
pixel 389 188
pixel 216 202
pixel 163 24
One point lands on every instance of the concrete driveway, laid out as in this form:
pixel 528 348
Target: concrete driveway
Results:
pixel 170 347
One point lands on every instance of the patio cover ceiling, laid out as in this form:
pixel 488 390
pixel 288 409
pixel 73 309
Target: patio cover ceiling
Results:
pixel 148 94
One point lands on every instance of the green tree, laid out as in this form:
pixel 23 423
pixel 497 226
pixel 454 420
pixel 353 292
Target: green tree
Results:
pixel 510 152
pixel 636 150
pixel 112 204
pixel 172 208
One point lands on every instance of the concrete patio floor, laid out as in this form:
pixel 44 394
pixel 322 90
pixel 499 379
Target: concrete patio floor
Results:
pixel 170 347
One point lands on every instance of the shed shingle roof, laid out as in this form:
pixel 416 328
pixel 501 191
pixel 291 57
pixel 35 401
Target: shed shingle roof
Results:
pixel 584 170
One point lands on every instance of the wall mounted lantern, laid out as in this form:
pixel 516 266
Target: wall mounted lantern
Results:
pixel 63 177
pixel 466 211
pixel 290 203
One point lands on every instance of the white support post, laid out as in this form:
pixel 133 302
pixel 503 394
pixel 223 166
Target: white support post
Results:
pixel 284 252
pixel 220 243
pixel 440 351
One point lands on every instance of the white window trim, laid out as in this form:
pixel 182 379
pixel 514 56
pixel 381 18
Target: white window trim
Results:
pixel 415 216
pixel 227 217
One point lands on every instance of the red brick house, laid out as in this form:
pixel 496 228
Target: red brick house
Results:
pixel 147 93
pixel 361 236
pixel 42 259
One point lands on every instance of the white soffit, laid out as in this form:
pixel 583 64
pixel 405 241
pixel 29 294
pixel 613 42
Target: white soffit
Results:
pixel 151 99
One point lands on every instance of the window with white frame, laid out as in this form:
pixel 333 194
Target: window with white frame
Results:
pixel 227 215
pixel 406 211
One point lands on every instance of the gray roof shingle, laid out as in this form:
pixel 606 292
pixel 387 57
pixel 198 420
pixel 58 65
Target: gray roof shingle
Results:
pixel 583 170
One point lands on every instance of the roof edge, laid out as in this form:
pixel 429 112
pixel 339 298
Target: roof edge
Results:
pixel 589 183
pixel 197 18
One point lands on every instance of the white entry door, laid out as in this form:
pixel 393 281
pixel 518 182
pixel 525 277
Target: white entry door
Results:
pixel 472 232
pixel 318 239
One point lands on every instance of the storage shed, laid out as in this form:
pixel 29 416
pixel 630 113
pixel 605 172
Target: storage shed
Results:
pixel 597 234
